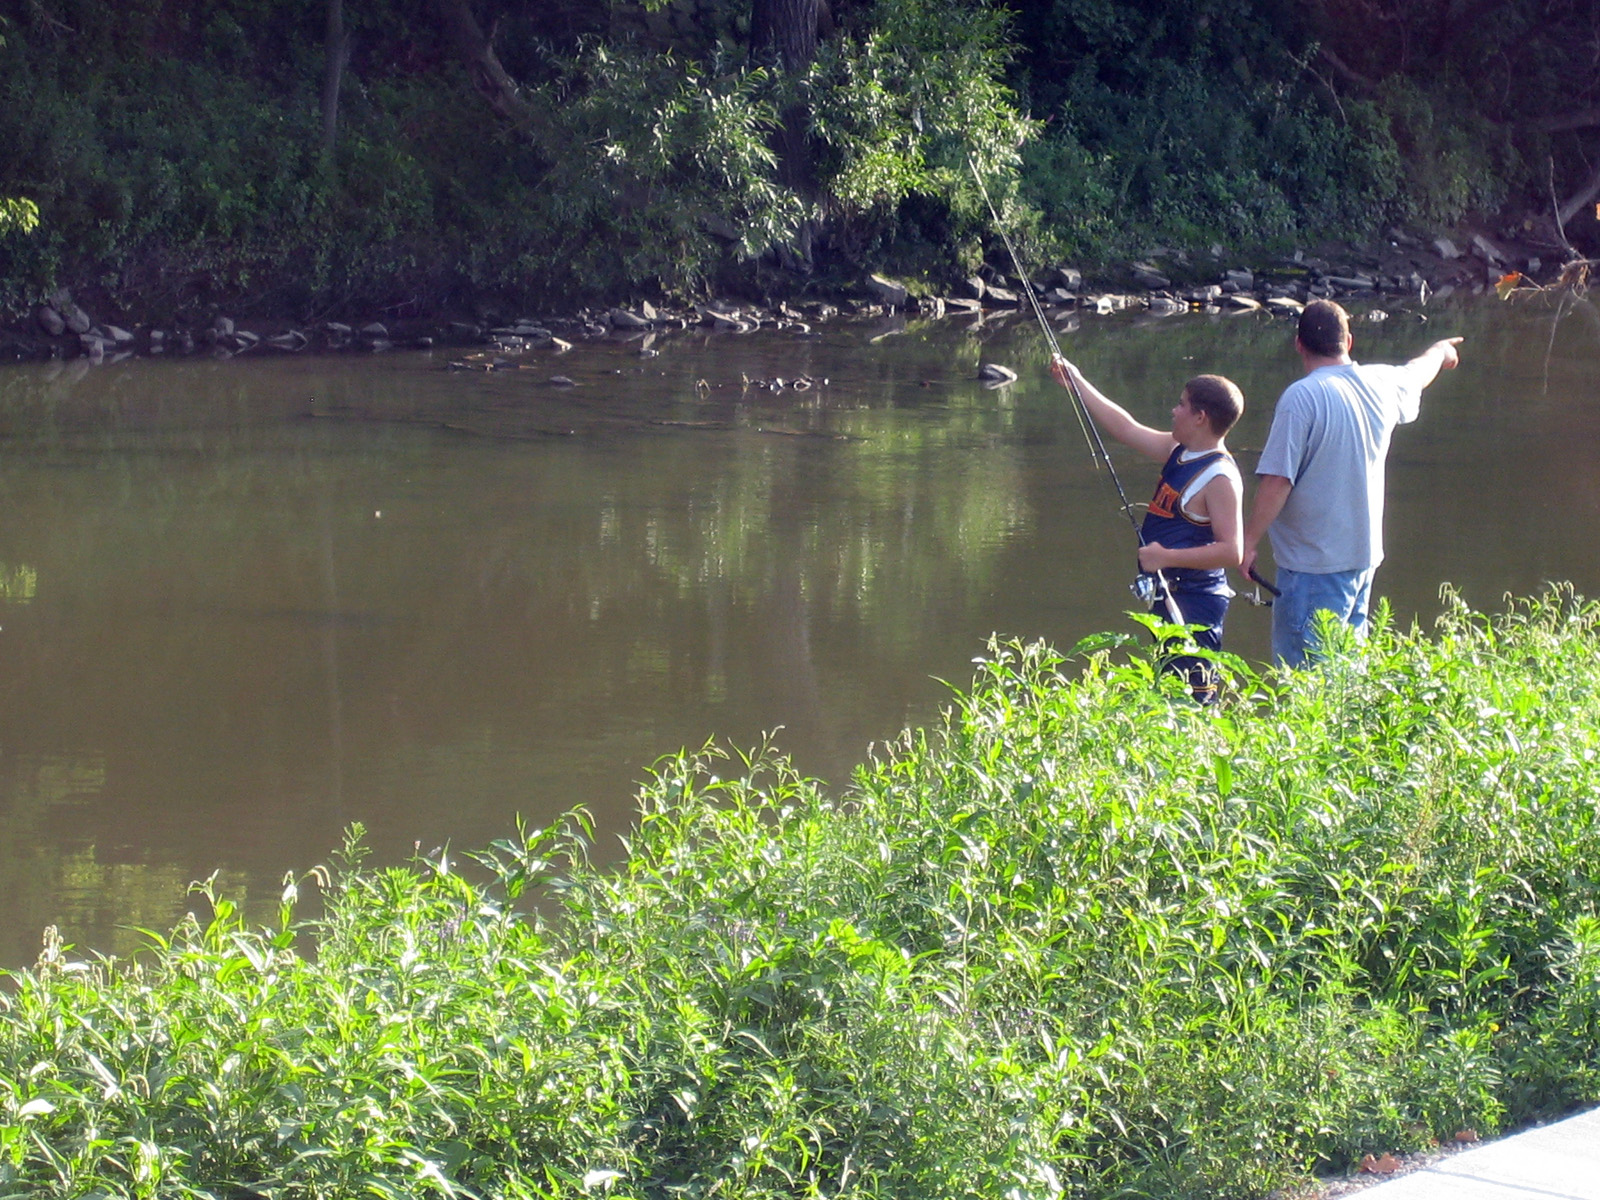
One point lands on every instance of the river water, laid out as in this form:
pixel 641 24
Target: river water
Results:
pixel 246 603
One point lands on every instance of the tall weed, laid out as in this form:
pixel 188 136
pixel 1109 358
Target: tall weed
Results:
pixel 1083 938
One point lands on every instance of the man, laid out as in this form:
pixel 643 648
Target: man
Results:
pixel 1321 476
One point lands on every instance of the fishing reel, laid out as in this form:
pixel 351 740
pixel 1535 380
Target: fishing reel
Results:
pixel 1145 587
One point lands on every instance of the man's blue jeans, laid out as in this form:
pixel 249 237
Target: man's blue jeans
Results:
pixel 1346 594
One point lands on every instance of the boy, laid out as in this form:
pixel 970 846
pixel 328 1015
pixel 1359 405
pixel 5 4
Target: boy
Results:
pixel 1193 528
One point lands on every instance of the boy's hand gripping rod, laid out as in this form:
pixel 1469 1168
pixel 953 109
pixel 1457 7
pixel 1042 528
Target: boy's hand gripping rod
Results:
pixel 1091 431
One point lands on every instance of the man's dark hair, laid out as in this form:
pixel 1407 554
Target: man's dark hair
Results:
pixel 1324 327
pixel 1216 398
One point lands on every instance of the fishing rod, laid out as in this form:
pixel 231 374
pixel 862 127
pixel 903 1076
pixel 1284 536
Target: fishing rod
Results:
pixel 1273 591
pixel 1149 584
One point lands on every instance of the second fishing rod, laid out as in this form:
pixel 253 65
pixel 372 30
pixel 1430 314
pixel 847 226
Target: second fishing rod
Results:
pixel 1148 586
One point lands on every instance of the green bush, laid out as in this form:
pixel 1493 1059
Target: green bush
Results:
pixel 181 159
pixel 1085 938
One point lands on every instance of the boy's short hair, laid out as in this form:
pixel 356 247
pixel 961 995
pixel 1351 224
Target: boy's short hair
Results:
pixel 1216 398
pixel 1324 328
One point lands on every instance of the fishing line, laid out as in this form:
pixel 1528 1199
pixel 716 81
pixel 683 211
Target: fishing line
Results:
pixel 1086 422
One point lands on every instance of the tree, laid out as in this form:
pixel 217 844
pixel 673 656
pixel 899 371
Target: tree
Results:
pixel 476 52
pixel 20 216
pixel 336 58
pixel 783 34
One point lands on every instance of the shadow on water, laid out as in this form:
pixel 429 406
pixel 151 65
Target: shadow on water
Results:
pixel 245 603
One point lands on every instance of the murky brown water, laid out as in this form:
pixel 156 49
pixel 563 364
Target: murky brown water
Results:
pixel 247 603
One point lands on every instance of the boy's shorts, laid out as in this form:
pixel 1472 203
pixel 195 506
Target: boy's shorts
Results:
pixel 1209 609
pixel 1199 608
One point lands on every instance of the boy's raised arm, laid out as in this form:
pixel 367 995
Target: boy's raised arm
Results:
pixel 1112 417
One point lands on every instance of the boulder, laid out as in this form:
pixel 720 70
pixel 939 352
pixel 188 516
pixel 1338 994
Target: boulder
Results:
pixel 1245 281
pixel 1285 304
pixel 621 318
pixel 1000 295
pixel 887 291
pixel 962 304
pixel 1069 277
pixel 719 316
pixel 1351 283
pixel 222 326
pixel 976 286
pixel 1147 276
pixel 49 320
pixel 377 329
pixel 1445 248
pixel 118 335
pixel 995 373
pixel 77 320
pixel 1206 295
pixel 931 306
pixel 1242 302
pixel 1491 253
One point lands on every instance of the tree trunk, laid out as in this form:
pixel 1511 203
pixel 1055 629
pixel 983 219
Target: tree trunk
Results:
pixel 490 78
pixel 337 52
pixel 784 34
pixel 785 31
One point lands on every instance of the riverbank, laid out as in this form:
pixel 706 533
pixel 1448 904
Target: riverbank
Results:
pixel 1406 267
pixel 1082 939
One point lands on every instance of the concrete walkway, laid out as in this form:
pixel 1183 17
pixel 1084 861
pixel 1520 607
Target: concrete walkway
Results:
pixel 1554 1162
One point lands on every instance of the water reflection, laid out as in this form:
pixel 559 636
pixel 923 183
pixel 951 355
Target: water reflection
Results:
pixel 245 603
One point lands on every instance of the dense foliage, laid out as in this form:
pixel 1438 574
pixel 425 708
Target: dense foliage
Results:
pixel 1086 940
pixel 174 153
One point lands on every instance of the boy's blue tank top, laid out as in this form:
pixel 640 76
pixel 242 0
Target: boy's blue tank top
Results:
pixel 1166 523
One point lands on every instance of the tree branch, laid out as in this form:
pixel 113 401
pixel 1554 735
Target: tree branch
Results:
pixel 1582 119
pixel 1345 71
pixel 1582 196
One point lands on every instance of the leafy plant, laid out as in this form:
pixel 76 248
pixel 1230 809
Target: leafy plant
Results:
pixel 1084 938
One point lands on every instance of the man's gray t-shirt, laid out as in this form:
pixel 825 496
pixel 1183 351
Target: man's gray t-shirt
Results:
pixel 1329 438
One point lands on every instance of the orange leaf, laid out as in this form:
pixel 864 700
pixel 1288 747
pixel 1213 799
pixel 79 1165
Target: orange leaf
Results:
pixel 1387 1165
pixel 1506 283
pixel 1466 1135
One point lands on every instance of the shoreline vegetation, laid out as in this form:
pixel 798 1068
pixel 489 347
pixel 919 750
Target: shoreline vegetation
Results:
pixel 301 168
pixel 1082 939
